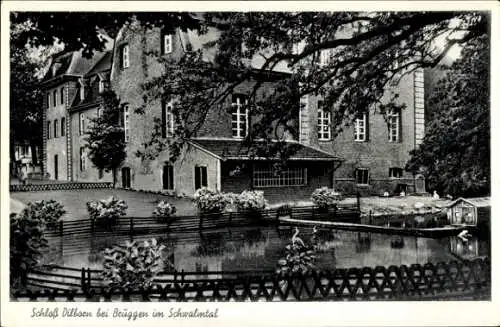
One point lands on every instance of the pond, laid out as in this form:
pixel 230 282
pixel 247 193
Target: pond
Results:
pixel 259 248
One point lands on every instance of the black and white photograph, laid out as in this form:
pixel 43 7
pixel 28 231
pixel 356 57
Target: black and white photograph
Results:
pixel 246 156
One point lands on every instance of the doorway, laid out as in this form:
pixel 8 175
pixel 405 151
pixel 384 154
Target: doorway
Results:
pixel 126 177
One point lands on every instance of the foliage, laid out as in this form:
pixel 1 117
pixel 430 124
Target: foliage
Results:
pixel 26 100
pixel 49 212
pixel 105 138
pixel 108 209
pixel 251 200
pixel 299 256
pixel 365 52
pixel 454 155
pixel 164 209
pixel 134 264
pixel 325 197
pixel 209 201
pixel 26 243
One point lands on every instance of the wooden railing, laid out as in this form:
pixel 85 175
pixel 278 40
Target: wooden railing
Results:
pixel 143 225
pixel 58 186
pixel 465 280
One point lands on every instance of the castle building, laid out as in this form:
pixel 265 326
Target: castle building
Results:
pixel 369 158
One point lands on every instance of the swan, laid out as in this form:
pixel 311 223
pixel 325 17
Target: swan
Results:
pixel 296 239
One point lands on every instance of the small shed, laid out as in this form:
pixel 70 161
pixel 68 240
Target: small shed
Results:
pixel 469 212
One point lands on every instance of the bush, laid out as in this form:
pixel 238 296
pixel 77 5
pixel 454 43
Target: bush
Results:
pixel 48 212
pixel 26 243
pixel 164 210
pixel 299 256
pixel 132 265
pixel 253 201
pixel 209 201
pixel 325 198
pixel 107 210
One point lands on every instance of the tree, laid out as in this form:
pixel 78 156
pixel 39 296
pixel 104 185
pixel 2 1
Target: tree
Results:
pixel 26 100
pixel 105 139
pixel 454 155
pixel 368 51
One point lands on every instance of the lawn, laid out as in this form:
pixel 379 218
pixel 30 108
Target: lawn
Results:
pixel 140 204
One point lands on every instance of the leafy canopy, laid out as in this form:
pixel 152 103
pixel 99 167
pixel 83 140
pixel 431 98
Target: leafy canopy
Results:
pixel 454 155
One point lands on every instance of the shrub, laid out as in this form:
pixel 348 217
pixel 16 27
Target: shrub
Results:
pixel 251 201
pixel 134 264
pixel 26 243
pixel 49 212
pixel 209 201
pixel 324 197
pixel 164 210
pixel 107 210
pixel 299 256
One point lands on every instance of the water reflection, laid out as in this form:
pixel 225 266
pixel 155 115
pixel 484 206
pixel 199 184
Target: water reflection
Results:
pixel 260 248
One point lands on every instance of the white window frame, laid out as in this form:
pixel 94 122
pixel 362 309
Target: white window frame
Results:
pixel 101 85
pixel 324 125
pixel 48 99
pixel 238 117
pixel 56 128
pixel 48 130
pixel 82 123
pixel 393 126
pixel 126 123
pixel 167 43
pixel 83 161
pixel 125 56
pixel 267 177
pixel 367 176
pixel 169 119
pixel 360 129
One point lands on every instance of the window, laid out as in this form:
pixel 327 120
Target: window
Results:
pixel 239 116
pixel 324 128
pixel 167 120
pixel 361 176
pixel 268 176
pixel 101 85
pixel 48 99
pixel 324 57
pixel 82 90
pixel 394 121
pixel 395 172
pixel 200 177
pixel 126 123
pixel 125 56
pixel 99 112
pixel 48 130
pixel 63 126
pixel 167 43
pixel 61 95
pixel 56 128
pixel 82 124
pixel 83 163
pixel 168 177
pixel 54 98
pixel 360 129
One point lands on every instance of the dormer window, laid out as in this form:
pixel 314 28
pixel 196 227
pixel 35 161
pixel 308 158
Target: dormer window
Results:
pixel 101 85
pixel 167 43
pixel 125 56
pixel 82 89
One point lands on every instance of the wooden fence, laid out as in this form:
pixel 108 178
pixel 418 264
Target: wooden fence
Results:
pixel 465 280
pixel 143 225
pixel 58 186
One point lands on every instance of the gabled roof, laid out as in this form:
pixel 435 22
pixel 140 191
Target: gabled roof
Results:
pixel 226 149
pixel 476 202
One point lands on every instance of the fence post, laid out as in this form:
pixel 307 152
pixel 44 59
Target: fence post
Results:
pixel 182 275
pixel 89 279
pixel 201 221
pixel 370 217
pixel 82 280
pixel 230 217
pixel 61 228
pixel 358 204
pixel 92 225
